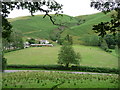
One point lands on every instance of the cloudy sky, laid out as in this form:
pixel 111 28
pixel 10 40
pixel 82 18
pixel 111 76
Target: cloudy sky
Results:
pixel 70 7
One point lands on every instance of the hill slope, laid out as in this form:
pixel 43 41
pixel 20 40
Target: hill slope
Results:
pixel 84 31
pixel 39 27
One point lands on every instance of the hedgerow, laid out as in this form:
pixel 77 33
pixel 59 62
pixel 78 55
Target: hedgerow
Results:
pixel 60 67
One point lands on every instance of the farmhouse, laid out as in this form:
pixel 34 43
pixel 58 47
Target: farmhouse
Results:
pixel 44 42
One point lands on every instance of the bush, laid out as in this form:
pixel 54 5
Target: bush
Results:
pixel 31 40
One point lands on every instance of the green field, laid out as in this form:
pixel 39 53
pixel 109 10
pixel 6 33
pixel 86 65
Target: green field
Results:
pixel 91 56
pixel 61 80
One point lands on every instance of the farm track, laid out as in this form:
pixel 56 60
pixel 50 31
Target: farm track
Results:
pixel 9 71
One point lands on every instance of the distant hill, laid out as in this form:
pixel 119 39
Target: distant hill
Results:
pixel 37 26
pixel 84 31
pixel 79 27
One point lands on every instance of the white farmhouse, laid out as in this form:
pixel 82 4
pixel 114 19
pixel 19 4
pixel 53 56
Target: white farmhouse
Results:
pixel 44 42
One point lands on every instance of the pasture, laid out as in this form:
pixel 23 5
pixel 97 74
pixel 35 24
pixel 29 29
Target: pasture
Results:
pixel 91 56
pixel 58 80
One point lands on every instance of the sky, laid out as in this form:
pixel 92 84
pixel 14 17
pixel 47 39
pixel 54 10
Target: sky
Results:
pixel 70 7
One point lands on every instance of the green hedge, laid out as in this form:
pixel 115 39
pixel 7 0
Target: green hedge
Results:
pixel 6 51
pixel 72 68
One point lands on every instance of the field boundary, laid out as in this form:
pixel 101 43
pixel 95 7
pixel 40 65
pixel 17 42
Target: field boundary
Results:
pixel 59 67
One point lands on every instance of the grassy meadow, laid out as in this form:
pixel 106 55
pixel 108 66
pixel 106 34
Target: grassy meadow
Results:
pixel 58 80
pixel 91 56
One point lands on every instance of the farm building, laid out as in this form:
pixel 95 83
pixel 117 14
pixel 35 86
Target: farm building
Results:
pixel 44 42
pixel 40 45
pixel 26 44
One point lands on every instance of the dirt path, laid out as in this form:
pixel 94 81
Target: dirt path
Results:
pixel 9 71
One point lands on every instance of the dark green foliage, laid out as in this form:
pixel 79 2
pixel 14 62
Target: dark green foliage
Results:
pixel 111 41
pixel 101 28
pixel 59 67
pixel 31 40
pixel 60 41
pixel 68 38
pixel 67 55
pixel 114 24
pixel 6 28
pixel 4 63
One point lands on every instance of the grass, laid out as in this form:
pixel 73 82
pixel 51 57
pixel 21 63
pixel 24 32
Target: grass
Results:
pixel 91 56
pixel 42 28
pixel 84 31
pixel 61 80
pixel 37 26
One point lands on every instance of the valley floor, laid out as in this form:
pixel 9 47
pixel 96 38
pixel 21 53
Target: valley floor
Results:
pixel 90 56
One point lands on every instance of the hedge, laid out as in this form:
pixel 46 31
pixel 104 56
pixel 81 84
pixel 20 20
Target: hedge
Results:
pixel 72 68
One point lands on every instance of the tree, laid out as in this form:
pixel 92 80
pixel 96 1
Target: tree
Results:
pixel 101 28
pixel 69 39
pixel 67 55
pixel 114 25
pixel 31 40
pixel 111 41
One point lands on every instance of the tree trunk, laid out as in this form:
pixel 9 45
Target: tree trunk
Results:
pixel 67 64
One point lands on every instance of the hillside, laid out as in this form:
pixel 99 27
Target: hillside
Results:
pixel 39 27
pixel 84 31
